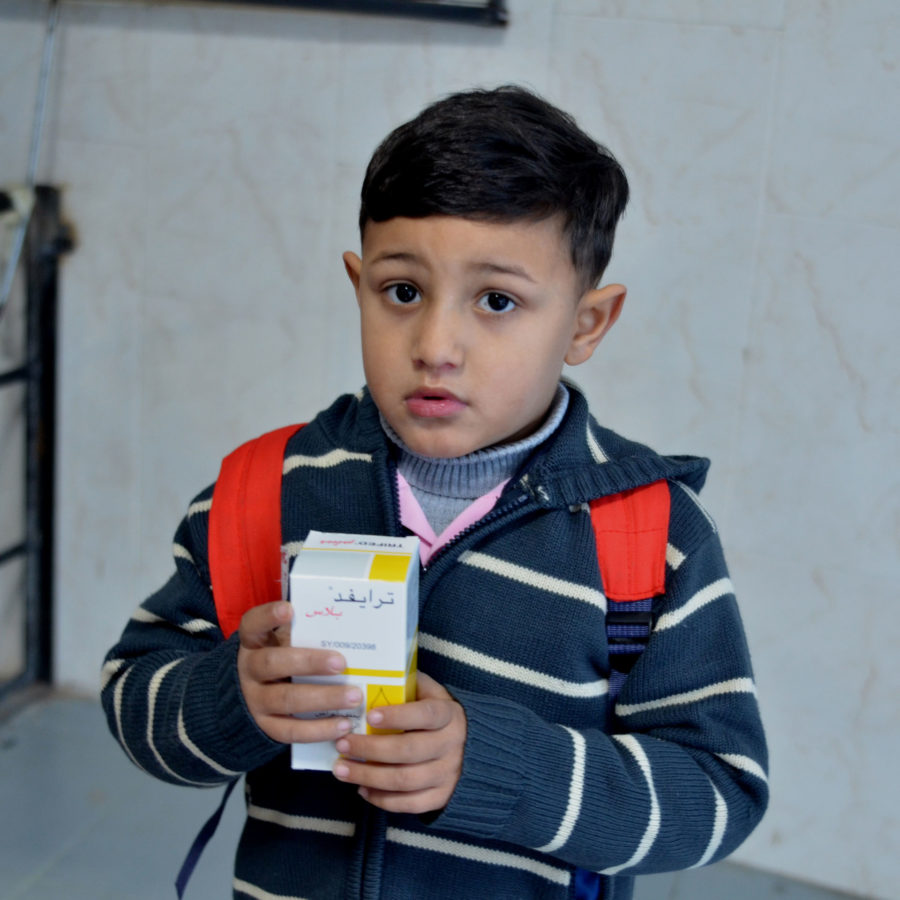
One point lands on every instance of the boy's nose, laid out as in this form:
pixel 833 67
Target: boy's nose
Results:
pixel 438 343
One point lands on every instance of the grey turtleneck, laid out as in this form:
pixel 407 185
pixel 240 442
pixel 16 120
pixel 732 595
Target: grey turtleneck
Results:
pixel 445 487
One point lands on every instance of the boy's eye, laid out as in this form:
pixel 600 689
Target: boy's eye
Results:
pixel 402 294
pixel 496 303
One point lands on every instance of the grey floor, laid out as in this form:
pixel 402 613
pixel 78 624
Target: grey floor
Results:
pixel 80 822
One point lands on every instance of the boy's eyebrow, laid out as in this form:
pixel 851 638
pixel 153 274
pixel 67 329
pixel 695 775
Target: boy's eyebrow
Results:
pixel 502 269
pixel 486 266
pixel 397 256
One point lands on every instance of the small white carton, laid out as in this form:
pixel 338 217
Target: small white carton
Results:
pixel 357 594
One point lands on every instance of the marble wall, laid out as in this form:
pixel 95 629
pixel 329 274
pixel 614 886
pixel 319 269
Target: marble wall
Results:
pixel 211 159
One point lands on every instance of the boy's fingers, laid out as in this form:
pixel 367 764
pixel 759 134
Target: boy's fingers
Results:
pixel 427 688
pixel 411 802
pixel 412 746
pixel 401 749
pixel 420 715
pixel 288 730
pixel 417 788
pixel 401 779
pixel 429 712
pixel 268 664
pixel 259 624
pixel 288 699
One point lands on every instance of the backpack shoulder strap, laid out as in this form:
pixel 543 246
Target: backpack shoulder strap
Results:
pixel 631 530
pixel 244 552
pixel 245 527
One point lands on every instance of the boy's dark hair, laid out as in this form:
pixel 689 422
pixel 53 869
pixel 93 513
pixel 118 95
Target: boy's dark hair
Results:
pixel 500 155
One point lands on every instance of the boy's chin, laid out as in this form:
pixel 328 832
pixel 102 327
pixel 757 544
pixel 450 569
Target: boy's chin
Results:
pixel 454 447
pixel 437 445
pixel 442 450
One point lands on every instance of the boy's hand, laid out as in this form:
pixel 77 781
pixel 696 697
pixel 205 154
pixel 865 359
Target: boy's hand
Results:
pixel 266 661
pixel 416 771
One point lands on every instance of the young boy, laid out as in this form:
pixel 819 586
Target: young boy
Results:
pixel 486 222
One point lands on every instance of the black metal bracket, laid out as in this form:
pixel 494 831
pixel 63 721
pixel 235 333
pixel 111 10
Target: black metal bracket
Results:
pixel 487 12
pixel 47 239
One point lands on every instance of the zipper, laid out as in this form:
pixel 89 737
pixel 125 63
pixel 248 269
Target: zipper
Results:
pixel 368 864
pixel 493 518
pixel 497 512
pixel 374 824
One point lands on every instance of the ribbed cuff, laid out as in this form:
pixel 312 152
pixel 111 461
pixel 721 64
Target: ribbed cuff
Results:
pixel 215 702
pixel 493 778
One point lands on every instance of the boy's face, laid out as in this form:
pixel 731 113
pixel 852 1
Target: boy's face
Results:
pixel 466 326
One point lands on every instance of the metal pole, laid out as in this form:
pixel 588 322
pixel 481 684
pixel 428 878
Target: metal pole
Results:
pixel 12 263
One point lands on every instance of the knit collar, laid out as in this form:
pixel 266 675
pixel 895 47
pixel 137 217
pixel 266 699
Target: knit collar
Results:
pixel 470 476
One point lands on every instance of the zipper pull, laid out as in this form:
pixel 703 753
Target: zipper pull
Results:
pixel 537 492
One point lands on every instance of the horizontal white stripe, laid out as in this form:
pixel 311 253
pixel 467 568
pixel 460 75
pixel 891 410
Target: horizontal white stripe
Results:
pixel 251 890
pixel 576 794
pixel 192 626
pixel 534 578
pixel 292 548
pixel 195 626
pixel 512 671
pixel 718 589
pixel 478 854
pixel 152 692
pixel 325 461
pixel 696 500
pixel 117 712
pixel 734 686
pixel 301 823
pixel 674 557
pixel 110 667
pixel 630 742
pixel 180 552
pixel 720 823
pixel 185 739
pixel 594 447
pixel 201 506
pixel 145 616
pixel 745 764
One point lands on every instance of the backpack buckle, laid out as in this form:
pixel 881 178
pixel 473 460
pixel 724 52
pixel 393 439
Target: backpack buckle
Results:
pixel 630 627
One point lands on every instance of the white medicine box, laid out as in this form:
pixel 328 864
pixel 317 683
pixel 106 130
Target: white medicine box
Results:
pixel 359 595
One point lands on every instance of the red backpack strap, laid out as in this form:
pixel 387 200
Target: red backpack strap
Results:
pixel 245 528
pixel 632 531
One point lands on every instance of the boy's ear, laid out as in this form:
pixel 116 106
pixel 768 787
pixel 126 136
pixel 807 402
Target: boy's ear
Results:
pixel 597 312
pixel 353 265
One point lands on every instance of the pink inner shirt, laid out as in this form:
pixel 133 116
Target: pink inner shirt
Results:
pixel 413 518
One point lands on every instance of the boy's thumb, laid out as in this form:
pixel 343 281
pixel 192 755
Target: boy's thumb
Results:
pixel 259 622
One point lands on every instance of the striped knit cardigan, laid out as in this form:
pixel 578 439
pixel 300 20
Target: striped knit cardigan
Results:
pixel 512 623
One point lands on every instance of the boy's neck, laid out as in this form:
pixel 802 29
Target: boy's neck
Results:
pixel 471 476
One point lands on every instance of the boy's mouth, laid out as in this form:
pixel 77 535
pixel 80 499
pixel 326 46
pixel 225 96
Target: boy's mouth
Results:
pixel 433 403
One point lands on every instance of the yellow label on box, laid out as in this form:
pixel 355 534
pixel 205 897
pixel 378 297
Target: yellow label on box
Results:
pixel 389 568
pixel 383 695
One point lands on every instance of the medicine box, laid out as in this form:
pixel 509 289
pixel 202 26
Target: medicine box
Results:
pixel 357 594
